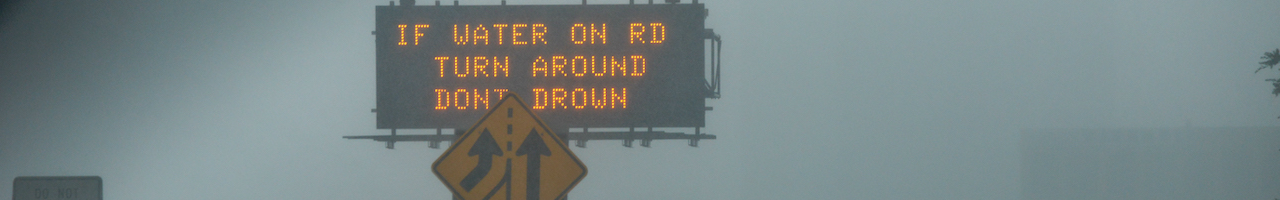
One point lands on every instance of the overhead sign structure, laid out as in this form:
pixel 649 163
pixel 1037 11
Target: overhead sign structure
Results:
pixel 509 154
pixel 57 187
pixel 580 65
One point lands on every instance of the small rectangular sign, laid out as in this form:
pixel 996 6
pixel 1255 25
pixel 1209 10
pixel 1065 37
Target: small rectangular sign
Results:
pixel 57 187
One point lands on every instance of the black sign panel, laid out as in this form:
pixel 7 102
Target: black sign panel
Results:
pixel 57 187
pixel 577 65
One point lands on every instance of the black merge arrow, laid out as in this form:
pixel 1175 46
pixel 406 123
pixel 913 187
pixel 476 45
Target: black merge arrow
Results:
pixel 486 148
pixel 535 148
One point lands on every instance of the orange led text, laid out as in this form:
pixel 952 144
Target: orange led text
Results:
pixel 505 34
pixel 593 66
pixel 474 66
pixel 652 33
pixel 579 98
pixel 417 33
pixel 467 99
pixel 588 33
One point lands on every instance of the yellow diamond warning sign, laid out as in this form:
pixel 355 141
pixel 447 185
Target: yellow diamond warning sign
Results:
pixel 509 154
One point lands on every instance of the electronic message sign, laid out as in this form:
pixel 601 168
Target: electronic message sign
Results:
pixel 577 65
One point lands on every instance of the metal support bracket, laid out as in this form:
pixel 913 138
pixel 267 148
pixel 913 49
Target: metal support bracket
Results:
pixel 713 83
pixel 580 138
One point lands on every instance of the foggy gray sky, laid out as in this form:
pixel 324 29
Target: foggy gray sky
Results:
pixel 821 99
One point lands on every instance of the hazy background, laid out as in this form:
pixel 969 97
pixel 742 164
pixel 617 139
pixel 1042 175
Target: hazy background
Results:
pixel 837 99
